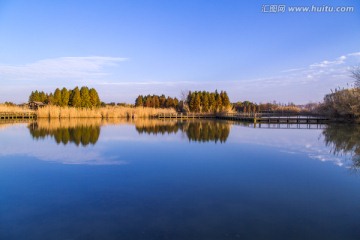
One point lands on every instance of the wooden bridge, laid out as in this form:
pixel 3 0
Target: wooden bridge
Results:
pixel 253 117
pixel 184 115
pixel 17 115
pixel 275 118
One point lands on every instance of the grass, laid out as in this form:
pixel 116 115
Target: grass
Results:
pixel 104 112
pixel 14 109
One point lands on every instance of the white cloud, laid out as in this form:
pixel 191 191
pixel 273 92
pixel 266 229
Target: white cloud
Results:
pixel 354 54
pixel 292 70
pixel 59 68
pixel 299 84
pixel 326 63
pixel 327 70
pixel 309 142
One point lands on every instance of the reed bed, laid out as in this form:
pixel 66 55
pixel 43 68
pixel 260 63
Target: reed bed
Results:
pixel 14 109
pixel 104 112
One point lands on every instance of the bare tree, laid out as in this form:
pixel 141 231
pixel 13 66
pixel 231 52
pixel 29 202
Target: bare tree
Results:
pixel 355 73
pixel 183 98
pixel 183 95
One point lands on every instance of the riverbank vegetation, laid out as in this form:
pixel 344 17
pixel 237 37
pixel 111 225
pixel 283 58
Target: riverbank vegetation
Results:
pixel 103 112
pixel 14 108
pixel 156 101
pixel 86 103
pixel 83 97
pixel 196 102
pixel 206 102
pixel 343 104
pixel 274 107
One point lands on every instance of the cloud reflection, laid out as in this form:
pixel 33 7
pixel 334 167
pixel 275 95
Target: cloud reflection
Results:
pixel 107 142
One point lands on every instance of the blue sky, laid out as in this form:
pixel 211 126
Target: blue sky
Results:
pixel 126 48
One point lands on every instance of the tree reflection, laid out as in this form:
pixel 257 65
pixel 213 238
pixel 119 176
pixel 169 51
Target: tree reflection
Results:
pixel 344 139
pixel 83 134
pixel 199 131
pixel 208 131
pixel 158 128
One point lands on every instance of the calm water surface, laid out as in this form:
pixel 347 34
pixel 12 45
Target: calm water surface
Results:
pixel 178 180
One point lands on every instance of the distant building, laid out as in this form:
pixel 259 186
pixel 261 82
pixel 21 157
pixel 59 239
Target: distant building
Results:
pixel 35 105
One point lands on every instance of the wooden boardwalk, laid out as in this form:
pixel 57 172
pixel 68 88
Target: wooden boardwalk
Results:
pixel 17 115
pixel 185 116
pixel 251 117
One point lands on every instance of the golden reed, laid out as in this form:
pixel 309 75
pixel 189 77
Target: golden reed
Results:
pixel 14 109
pixel 104 112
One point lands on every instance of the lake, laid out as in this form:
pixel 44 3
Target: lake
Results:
pixel 152 179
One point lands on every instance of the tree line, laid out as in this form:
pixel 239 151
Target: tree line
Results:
pixel 83 97
pixel 156 101
pixel 247 107
pixel 251 107
pixel 207 101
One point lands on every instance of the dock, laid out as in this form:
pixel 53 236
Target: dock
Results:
pixel 185 116
pixel 252 117
pixel 17 115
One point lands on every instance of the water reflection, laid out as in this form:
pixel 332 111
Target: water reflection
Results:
pixel 344 140
pixel 198 131
pixel 157 127
pixel 82 132
pixel 208 131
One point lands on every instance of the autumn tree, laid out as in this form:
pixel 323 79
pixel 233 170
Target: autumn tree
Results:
pixel 94 98
pixel 75 98
pixel 156 102
pixel 139 102
pixel 85 97
pixel 355 73
pixel 57 97
pixel 162 101
pixel 64 97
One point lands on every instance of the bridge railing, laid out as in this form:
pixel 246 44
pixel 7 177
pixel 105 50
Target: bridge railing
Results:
pixel 270 115
pixel 237 115
pixel 17 115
